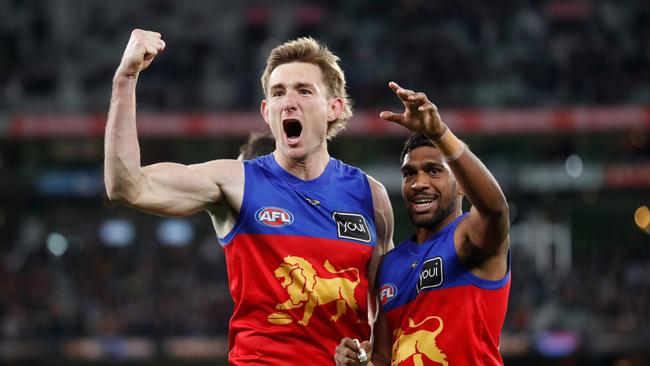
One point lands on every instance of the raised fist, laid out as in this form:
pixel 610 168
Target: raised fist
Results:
pixel 142 48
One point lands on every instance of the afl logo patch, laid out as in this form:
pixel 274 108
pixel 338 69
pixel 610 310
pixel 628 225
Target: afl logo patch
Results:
pixel 387 292
pixel 274 216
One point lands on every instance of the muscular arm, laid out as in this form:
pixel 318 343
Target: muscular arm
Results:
pixel 384 226
pixel 166 189
pixel 485 230
pixel 481 239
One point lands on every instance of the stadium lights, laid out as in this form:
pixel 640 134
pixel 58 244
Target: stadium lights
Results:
pixel 642 218
pixel 57 244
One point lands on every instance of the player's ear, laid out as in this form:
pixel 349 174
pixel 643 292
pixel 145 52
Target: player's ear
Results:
pixel 335 109
pixel 460 190
pixel 264 110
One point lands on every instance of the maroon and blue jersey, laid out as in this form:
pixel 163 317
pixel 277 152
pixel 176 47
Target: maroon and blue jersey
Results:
pixel 297 259
pixel 438 312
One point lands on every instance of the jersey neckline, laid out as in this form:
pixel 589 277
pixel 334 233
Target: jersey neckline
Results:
pixel 312 184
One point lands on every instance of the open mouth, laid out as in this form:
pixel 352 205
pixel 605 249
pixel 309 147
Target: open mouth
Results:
pixel 292 128
pixel 422 203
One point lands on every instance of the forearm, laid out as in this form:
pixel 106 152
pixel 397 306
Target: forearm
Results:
pixel 121 149
pixel 378 359
pixel 382 344
pixel 475 180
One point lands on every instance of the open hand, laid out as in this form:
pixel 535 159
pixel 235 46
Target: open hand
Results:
pixel 420 115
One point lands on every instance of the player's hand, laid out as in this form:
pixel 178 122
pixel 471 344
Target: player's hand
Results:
pixel 347 352
pixel 142 48
pixel 420 115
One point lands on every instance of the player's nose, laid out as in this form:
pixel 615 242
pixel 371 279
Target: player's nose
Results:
pixel 289 107
pixel 420 181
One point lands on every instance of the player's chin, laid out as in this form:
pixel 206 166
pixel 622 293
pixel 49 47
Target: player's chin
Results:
pixel 296 153
pixel 420 219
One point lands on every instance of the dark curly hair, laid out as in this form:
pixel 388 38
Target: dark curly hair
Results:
pixel 413 142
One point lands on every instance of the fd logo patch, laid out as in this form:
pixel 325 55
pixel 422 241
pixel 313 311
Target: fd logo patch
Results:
pixel 274 216
pixel 351 226
pixel 431 274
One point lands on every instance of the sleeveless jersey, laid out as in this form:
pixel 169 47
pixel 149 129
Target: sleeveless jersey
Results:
pixel 297 259
pixel 438 312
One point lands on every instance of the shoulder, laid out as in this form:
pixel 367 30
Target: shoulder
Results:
pixel 379 194
pixel 221 171
pixel 383 214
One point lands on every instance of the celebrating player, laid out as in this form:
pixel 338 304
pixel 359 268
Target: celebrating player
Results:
pixel 308 231
pixel 444 291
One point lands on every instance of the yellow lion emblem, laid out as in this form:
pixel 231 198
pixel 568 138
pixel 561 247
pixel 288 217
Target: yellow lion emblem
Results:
pixel 417 344
pixel 306 289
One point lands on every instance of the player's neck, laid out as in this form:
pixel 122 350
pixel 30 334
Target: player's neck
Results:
pixel 307 167
pixel 424 233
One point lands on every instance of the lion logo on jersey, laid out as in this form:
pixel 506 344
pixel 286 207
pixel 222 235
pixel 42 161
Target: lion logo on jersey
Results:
pixel 417 344
pixel 307 289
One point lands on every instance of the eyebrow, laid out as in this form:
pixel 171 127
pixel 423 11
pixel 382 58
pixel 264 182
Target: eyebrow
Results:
pixel 426 165
pixel 297 85
pixel 407 168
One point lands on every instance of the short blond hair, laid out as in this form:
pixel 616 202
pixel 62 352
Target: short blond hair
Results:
pixel 306 49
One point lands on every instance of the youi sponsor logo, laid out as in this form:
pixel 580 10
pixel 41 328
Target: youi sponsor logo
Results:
pixel 352 226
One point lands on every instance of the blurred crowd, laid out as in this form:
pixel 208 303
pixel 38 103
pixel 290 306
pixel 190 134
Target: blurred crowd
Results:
pixel 86 286
pixel 59 276
pixel 61 55
pixel 146 287
pixel 605 292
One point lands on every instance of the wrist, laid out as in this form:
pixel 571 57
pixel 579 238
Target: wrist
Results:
pixel 120 79
pixel 122 75
pixel 436 135
pixel 449 145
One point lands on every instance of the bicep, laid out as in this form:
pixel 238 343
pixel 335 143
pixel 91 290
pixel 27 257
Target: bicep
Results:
pixel 383 211
pixel 487 233
pixel 482 245
pixel 171 189
pixel 384 227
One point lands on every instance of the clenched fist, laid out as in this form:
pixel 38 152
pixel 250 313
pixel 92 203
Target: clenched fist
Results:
pixel 348 352
pixel 142 48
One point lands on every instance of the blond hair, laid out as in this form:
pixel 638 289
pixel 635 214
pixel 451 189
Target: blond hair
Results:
pixel 308 50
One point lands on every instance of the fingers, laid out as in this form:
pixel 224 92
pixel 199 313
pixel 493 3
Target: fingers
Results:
pixel 409 97
pixel 142 48
pixel 420 115
pixel 392 117
pixel 346 352
pixel 412 100
pixel 151 41
pixel 366 346
pixel 402 93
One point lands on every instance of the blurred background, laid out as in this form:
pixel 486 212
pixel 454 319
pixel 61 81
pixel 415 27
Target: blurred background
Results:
pixel 553 95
